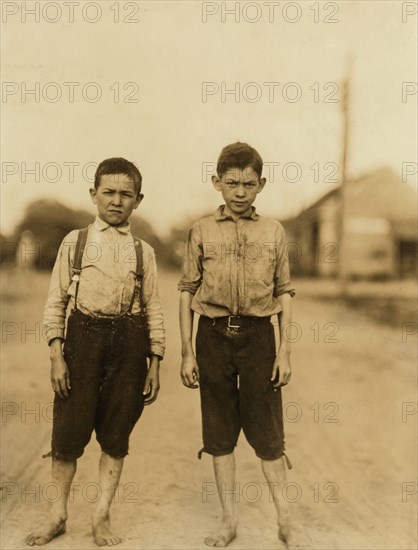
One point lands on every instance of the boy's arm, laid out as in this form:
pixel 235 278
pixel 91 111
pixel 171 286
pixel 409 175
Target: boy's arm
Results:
pixel 152 302
pixel 155 325
pixel 58 297
pixel 281 364
pixel 60 375
pixel 189 369
pixel 54 319
pixel 189 284
pixel 281 372
pixel 152 381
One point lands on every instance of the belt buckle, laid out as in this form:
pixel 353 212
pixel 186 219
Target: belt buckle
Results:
pixel 230 325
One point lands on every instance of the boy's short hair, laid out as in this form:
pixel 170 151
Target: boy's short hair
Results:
pixel 118 165
pixel 239 155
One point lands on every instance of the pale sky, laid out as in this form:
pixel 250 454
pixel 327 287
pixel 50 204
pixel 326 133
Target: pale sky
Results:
pixel 171 133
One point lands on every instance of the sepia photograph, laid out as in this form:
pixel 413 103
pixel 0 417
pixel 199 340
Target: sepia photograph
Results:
pixel 208 279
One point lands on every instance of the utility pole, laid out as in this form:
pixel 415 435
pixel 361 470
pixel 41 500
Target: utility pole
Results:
pixel 342 214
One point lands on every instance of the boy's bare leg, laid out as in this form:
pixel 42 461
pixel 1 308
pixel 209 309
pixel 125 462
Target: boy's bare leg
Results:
pixel 224 468
pixel 110 470
pixel 62 474
pixel 275 474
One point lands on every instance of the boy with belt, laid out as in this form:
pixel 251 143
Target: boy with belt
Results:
pixel 236 276
pixel 99 370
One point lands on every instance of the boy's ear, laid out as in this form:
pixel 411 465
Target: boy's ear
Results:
pixel 216 182
pixel 262 182
pixel 93 194
pixel 138 200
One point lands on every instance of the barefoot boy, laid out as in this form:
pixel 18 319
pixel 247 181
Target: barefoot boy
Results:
pixel 99 371
pixel 236 276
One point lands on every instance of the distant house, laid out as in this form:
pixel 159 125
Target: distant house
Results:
pixel 380 231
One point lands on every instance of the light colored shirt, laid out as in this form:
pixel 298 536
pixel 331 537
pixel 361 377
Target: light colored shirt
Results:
pixel 236 267
pixel 107 281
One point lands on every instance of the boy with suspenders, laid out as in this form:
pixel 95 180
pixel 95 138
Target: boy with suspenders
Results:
pixel 99 371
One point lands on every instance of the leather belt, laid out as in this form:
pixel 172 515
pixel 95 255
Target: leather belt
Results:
pixel 238 321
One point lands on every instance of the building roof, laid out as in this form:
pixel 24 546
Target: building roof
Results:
pixel 379 194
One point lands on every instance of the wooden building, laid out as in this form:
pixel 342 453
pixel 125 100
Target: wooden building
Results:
pixel 380 231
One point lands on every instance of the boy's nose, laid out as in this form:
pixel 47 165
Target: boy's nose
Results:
pixel 240 191
pixel 116 199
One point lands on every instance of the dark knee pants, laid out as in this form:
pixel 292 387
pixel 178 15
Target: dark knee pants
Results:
pixel 236 391
pixel 108 367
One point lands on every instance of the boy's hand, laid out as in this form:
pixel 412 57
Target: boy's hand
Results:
pixel 189 371
pixel 60 376
pixel 282 368
pixel 152 381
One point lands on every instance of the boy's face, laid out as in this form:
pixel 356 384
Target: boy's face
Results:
pixel 115 198
pixel 239 189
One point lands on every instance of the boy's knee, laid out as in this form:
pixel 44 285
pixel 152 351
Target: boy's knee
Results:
pixel 64 456
pixel 215 451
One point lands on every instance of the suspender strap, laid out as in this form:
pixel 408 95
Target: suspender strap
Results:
pixel 78 257
pixel 139 277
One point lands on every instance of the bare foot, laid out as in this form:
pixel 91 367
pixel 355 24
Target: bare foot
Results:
pixel 102 533
pixel 47 532
pixel 227 532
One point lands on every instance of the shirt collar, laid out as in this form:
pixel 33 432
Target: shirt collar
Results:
pixel 220 214
pixel 101 225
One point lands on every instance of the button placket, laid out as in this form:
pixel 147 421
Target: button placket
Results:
pixel 241 264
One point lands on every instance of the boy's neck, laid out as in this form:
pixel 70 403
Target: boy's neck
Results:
pixel 234 216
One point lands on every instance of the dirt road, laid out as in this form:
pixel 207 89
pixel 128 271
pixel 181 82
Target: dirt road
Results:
pixel 350 430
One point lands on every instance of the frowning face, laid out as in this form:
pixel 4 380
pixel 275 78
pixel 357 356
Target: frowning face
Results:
pixel 239 188
pixel 115 198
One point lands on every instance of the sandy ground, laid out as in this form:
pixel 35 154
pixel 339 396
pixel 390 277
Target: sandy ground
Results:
pixel 353 452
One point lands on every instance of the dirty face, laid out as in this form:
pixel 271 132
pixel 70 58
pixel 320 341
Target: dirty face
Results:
pixel 239 188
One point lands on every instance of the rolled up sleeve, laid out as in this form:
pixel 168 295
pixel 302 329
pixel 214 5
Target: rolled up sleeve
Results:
pixel 192 264
pixel 282 283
